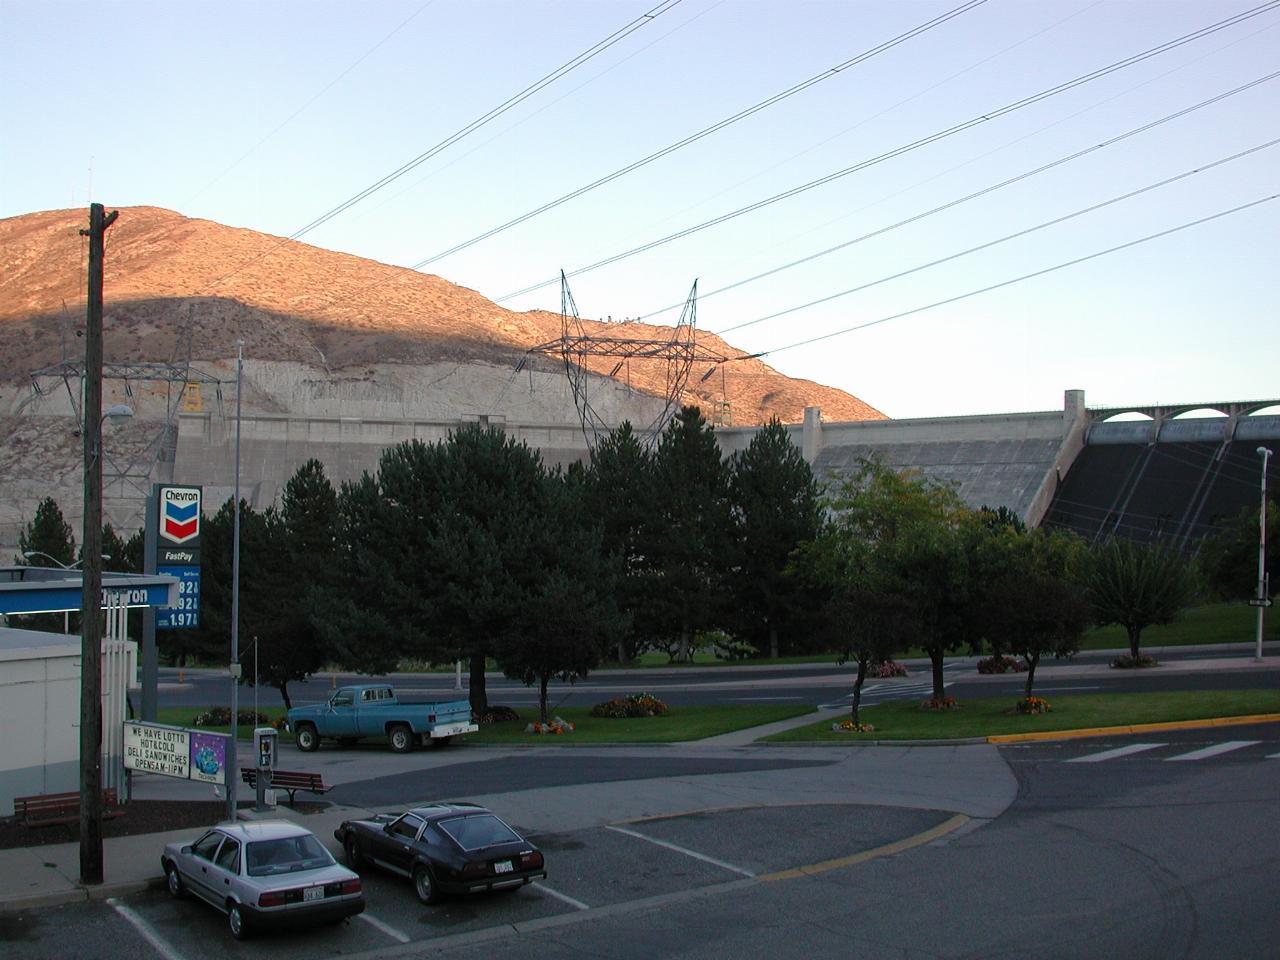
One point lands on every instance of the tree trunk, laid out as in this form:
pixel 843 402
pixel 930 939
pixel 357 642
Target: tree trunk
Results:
pixel 935 658
pixel 479 698
pixel 1031 673
pixel 682 653
pixel 622 651
pixel 542 698
pixel 857 688
pixel 773 642
pixel 1135 634
pixel 284 695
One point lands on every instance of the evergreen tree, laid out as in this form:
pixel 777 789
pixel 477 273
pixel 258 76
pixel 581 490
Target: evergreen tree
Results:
pixel 618 490
pixel 775 504
pixel 690 535
pixel 1138 586
pixel 47 541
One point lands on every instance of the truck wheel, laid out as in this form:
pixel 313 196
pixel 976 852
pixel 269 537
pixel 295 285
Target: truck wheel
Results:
pixel 306 738
pixel 401 738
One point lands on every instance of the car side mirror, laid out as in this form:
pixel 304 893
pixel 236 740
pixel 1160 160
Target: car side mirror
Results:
pixel 386 827
pixel 186 849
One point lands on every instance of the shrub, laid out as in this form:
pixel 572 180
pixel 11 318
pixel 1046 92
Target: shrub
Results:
pixel 1128 662
pixel 886 669
pixel 556 726
pixel 495 714
pixel 1033 705
pixel 848 726
pixel 221 717
pixel 636 705
pixel 1001 664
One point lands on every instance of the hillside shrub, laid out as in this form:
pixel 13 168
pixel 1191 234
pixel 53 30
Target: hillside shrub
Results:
pixel 636 705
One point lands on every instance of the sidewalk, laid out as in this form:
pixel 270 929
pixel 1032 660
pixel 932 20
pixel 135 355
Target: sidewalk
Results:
pixel 47 875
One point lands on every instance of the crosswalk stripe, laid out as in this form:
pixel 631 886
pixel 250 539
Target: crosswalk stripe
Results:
pixel 1117 752
pixel 1214 750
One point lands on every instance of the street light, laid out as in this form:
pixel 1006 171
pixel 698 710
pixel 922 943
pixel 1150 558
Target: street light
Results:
pixel 1262 552
pixel 230 768
pixel 32 554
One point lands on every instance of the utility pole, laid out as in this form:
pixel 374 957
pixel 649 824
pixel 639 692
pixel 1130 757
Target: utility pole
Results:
pixel 91 578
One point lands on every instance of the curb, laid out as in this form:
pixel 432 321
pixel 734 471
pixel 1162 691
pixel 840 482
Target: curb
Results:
pixel 1134 728
pixel 79 894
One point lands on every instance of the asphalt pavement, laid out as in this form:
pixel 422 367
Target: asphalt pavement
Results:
pixel 721 772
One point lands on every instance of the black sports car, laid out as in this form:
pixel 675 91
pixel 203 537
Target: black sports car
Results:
pixel 443 848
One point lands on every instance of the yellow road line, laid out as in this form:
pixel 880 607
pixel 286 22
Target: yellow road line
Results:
pixel 1135 728
pixel 888 850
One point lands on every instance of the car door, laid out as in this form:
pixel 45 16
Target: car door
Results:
pixel 195 866
pixel 224 870
pixel 396 842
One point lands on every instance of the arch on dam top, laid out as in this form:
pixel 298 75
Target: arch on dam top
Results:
pixel 1161 412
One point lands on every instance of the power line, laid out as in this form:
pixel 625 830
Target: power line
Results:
pixel 965 199
pixel 1007 283
pixel 591 52
pixel 707 131
pixel 1011 236
pixel 913 145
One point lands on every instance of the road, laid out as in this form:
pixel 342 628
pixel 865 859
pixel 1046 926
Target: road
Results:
pixel 1123 847
pixel 806 683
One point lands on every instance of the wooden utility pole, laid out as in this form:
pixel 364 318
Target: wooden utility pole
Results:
pixel 91 547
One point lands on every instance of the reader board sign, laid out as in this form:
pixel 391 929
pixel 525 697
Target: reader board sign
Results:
pixel 187 611
pixel 177 553
pixel 175 752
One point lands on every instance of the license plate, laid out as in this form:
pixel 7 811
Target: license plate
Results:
pixel 504 866
pixel 313 893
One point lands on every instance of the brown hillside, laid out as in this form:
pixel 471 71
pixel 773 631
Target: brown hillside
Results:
pixel 168 275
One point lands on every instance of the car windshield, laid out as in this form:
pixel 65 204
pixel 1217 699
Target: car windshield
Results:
pixel 266 858
pixel 482 830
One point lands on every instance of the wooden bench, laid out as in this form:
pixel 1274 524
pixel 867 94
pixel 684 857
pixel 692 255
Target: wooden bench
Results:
pixel 291 781
pixel 47 809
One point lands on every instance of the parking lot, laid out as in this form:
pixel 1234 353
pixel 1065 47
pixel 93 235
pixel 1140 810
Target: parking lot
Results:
pixel 613 867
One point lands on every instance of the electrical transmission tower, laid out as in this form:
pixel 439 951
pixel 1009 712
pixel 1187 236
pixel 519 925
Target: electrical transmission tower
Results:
pixel 677 354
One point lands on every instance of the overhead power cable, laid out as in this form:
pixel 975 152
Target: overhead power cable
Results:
pixel 965 199
pixel 707 131
pixel 913 145
pixel 592 51
pixel 1009 283
pixel 1007 237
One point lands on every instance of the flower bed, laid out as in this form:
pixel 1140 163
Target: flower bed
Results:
pixel 946 703
pixel 1126 662
pixel 1001 664
pixel 886 669
pixel 221 717
pixel 555 726
pixel 848 726
pixel 495 715
pixel 636 705
pixel 1033 705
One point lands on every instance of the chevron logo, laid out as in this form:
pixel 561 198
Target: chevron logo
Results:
pixel 179 514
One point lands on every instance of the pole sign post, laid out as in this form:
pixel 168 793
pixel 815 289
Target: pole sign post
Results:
pixel 178 553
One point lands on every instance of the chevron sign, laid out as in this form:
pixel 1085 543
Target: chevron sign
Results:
pixel 179 514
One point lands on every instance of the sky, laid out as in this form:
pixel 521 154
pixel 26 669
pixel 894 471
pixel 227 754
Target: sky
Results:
pixel 272 114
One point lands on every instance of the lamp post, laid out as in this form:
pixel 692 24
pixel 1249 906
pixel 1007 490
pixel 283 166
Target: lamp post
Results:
pixel 1262 552
pixel 232 770
pixel 32 554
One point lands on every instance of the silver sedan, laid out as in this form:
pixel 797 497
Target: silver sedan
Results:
pixel 263 873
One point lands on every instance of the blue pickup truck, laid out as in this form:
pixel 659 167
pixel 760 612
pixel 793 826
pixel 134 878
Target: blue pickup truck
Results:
pixel 372 710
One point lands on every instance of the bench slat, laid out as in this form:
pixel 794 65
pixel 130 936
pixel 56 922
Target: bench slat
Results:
pixel 47 809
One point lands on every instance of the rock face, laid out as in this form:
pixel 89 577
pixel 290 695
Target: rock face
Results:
pixel 327 336
pixel 170 280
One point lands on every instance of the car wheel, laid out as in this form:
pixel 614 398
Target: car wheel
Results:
pixel 351 847
pixel 174 882
pixel 424 885
pixel 235 920
pixel 306 738
pixel 401 738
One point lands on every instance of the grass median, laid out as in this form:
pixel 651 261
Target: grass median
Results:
pixel 994 716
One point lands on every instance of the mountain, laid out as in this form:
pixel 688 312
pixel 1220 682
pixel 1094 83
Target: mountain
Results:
pixel 178 287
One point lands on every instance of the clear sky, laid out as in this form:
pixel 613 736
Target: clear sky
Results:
pixel 268 115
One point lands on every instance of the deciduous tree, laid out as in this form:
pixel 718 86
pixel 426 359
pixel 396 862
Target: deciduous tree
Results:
pixel 1138 586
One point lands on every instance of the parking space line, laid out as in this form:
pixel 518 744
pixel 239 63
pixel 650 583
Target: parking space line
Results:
pixel 888 850
pixel 386 928
pixel 144 928
pixel 1214 750
pixel 576 904
pixel 688 853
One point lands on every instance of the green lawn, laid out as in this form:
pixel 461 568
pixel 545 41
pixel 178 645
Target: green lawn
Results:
pixel 904 720
pixel 681 723
pixel 1215 623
